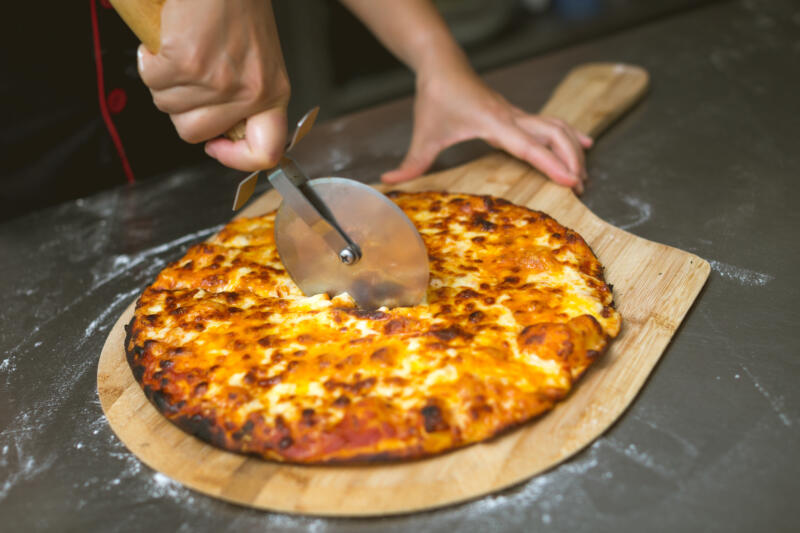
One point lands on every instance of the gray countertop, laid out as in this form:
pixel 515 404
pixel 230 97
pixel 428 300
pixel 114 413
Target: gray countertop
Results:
pixel 708 162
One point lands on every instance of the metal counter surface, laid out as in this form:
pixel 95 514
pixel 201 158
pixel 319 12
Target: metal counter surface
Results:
pixel 708 162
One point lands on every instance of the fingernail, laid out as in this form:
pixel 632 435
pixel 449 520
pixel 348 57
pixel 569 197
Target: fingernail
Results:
pixel 139 59
pixel 210 150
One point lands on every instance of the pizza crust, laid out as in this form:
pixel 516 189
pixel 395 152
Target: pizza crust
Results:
pixel 226 347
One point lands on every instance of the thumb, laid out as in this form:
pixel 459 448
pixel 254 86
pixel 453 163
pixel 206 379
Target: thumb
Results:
pixel 416 162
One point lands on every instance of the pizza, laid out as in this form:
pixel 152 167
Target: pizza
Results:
pixel 225 345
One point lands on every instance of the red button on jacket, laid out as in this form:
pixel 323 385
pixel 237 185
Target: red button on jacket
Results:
pixel 117 99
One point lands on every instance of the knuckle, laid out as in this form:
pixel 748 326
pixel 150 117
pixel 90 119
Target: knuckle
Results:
pixel 284 88
pixel 534 153
pixel 562 137
pixel 223 81
pixel 191 65
pixel 552 130
pixel 267 92
pixel 250 91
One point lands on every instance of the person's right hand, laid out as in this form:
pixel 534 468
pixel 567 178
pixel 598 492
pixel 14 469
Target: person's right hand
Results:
pixel 220 62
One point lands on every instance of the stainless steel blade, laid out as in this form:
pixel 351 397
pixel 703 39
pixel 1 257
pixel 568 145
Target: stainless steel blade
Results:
pixel 303 127
pixel 393 269
pixel 290 182
pixel 245 190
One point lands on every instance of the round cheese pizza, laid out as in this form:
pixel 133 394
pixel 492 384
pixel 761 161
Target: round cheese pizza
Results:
pixel 226 346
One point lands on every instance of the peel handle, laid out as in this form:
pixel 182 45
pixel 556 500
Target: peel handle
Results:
pixel 143 17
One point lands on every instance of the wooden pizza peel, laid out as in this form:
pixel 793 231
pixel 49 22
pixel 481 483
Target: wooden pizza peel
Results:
pixel 654 287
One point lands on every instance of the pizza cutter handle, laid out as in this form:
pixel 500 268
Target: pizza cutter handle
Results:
pixel 143 17
pixel 290 181
pixel 247 186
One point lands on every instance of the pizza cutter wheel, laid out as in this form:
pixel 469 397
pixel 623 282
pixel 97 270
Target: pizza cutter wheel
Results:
pixel 336 235
pixel 383 261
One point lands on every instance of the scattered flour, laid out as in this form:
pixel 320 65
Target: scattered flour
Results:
pixel 643 211
pixel 111 309
pixel 161 486
pixel 688 447
pixel 776 402
pixel 540 495
pixel 21 441
pixel 338 159
pixel 742 276
pixel 26 467
pixel 122 263
pixel 632 452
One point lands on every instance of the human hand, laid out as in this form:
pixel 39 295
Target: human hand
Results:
pixel 454 105
pixel 220 63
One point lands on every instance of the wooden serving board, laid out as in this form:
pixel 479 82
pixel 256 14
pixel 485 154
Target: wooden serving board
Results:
pixel 654 286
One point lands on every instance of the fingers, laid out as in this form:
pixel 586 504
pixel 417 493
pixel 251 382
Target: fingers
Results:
pixel 584 140
pixel 561 138
pixel 182 98
pixel 262 147
pixel 419 158
pixel 521 144
pixel 174 92
pixel 554 149
pixel 204 123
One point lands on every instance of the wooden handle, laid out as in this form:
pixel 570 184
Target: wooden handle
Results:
pixel 144 18
pixel 594 95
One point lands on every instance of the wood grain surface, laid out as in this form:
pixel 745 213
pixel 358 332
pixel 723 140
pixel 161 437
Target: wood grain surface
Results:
pixel 143 17
pixel 654 287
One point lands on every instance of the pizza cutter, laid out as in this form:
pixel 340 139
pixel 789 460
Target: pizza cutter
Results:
pixel 337 235
pixel 334 235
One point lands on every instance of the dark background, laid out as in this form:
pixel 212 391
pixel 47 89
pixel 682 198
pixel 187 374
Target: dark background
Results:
pixel 55 147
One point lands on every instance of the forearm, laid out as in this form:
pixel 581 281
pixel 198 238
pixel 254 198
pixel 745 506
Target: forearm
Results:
pixel 453 104
pixel 413 30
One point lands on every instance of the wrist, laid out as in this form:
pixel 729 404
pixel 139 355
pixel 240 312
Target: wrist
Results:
pixel 438 52
pixel 439 72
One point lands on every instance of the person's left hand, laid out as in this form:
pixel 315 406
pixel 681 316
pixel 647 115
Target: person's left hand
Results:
pixel 455 105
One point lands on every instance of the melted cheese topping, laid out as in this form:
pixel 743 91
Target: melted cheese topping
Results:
pixel 227 347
